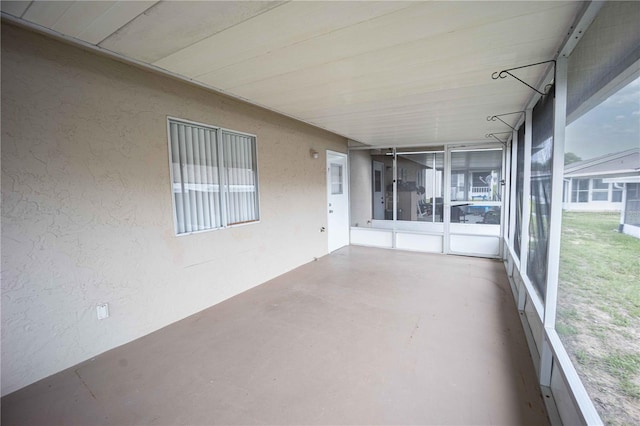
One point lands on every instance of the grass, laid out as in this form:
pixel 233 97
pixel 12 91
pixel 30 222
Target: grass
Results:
pixel 566 329
pixel 599 310
pixel 625 367
pixel 601 262
pixel 630 388
pixel 582 357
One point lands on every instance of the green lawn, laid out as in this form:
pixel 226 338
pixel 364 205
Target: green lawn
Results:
pixel 599 311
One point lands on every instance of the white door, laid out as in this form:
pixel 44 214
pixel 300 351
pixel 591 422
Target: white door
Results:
pixel 476 201
pixel 338 200
pixel 378 193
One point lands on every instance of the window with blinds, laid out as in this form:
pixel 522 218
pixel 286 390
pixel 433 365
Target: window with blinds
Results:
pixel 214 177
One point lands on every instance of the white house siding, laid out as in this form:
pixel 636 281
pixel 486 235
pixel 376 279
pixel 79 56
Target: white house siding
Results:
pixel 609 166
pixel 591 205
pixel 594 206
pixel 87 210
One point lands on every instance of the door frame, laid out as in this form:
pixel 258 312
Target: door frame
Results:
pixel 374 202
pixel 329 155
pixel 449 149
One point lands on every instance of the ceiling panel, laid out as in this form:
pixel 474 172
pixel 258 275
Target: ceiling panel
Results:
pixel 391 72
pixel 288 24
pixel 447 56
pixel 113 19
pixel 392 116
pixel 446 88
pixel 89 21
pixel 386 40
pixel 46 13
pixel 15 8
pixel 173 25
pixel 80 15
pixel 388 83
pixel 515 94
pixel 380 73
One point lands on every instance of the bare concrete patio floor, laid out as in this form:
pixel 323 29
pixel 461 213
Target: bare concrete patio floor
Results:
pixel 362 336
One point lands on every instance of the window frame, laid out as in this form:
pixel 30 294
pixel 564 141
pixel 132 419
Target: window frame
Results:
pixel 576 190
pixel 223 185
pixel 595 189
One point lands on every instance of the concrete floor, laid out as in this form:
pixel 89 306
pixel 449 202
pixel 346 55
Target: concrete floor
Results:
pixel 363 336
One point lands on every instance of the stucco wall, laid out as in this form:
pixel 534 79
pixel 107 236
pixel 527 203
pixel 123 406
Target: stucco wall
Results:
pixel 360 187
pixel 87 213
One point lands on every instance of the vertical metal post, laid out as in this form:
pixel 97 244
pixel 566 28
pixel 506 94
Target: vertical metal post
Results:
pixel 395 198
pixel 446 201
pixel 514 184
pixel 555 220
pixel 433 189
pixel 526 194
pixel 505 192
pixel 526 202
pixel 222 178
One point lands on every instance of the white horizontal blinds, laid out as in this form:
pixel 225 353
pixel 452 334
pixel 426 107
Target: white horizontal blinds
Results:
pixel 195 177
pixel 241 183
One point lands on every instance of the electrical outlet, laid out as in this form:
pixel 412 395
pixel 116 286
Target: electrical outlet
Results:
pixel 103 311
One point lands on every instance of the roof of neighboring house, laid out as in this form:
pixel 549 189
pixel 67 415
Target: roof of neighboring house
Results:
pixel 624 162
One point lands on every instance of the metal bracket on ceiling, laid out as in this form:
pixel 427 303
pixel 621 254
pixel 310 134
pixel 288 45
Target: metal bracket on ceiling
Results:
pixel 497 117
pixel 493 135
pixel 505 73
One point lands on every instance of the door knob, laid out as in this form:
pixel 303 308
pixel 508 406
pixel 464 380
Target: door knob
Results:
pixel 330 211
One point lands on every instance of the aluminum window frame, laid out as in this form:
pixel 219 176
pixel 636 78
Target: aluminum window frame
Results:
pixel 222 194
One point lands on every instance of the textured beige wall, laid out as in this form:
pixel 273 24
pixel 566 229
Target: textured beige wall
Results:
pixel 360 187
pixel 86 205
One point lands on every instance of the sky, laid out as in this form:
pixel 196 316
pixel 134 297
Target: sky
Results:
pixel 612 126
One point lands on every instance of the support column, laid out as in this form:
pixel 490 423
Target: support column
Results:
pixel 505 198
pixel 526 193
pixel 555 220
pixel 446 201
pixel 514 184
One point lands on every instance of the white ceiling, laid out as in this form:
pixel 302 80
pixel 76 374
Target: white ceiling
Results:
pixel 382 73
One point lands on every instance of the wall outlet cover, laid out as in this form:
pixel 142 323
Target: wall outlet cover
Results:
pixel 103 311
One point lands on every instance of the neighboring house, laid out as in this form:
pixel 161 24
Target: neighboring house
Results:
pixel 589 184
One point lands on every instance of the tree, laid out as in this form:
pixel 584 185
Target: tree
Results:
pixel 570 157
